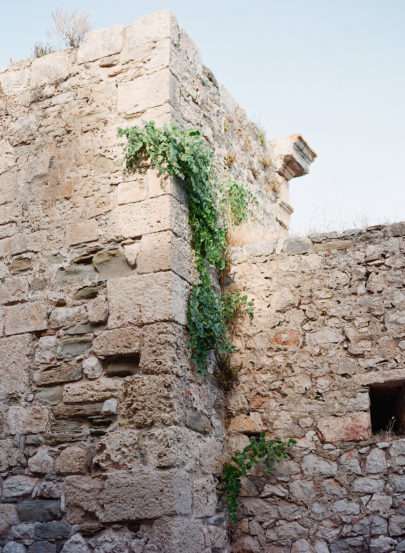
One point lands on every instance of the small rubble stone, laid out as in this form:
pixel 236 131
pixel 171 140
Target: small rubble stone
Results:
pixel 41 462
pixel 15 486
pixel 376 462
pixel 33 510
pixel 76 544
pixel 52 530
pixel 14 547
pixel 92 368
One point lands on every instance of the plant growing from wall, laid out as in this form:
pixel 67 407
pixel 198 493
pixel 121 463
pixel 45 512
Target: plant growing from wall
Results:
pixel 237 202
pixel 259 450
pixel 185 155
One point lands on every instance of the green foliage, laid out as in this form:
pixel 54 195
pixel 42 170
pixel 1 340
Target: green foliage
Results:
pixel 184 154
pixel 259 450
pixel 238 202
pixel 262 136
pixel 233 304
pixel 206 325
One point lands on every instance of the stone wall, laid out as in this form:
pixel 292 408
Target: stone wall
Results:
pixel 329 327
pixel 109 440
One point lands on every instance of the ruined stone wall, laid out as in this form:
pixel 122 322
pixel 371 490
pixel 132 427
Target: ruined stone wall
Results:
pixel 329 324
pixel 109 440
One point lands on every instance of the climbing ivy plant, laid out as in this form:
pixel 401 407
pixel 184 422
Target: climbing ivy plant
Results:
pixel 259 450
pixel 184 154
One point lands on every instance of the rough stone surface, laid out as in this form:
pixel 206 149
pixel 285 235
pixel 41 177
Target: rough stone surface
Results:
pixel 108 434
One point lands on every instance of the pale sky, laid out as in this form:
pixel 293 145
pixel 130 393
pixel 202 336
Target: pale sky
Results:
pixel 332 70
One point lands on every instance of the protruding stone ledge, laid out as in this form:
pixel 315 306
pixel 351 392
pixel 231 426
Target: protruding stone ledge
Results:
pixel 292 156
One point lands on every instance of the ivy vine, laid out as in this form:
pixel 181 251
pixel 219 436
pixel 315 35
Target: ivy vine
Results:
pixel 258 450
pixel 184 154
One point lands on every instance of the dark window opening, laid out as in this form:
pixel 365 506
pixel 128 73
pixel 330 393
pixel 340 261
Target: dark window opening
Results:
pixel 386 409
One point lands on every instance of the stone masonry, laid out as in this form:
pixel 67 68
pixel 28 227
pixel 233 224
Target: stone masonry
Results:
pixel 328 336
pixel 109 440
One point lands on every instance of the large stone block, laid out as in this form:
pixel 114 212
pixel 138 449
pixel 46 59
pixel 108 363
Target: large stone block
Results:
pixel 147 91
pixel 145 493
pixel 50 68
pixel 30 419
pixel 82 498
pixel 153 215
pixel 26 317
pixel 144 299
pixel 180 535
pixel 145 31
pixel 164 349
pixel 14 363
pixel 354 427
pixel 164 251
pixel 13 289
pixel 151 400
pixel 120 341
pixel 100 44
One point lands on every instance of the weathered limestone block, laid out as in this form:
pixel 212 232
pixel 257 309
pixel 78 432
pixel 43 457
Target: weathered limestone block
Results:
pixel 153 215
pixel 147 91
pixel 57 375
pixel 30 419
pixel 111 264
pixel 100 44
pixel 164 348
pixel 13 289
pixel 145 493
pixel 119 341
pixel 164 251
pixel 353 427
pixel 14 363
pixel 82 498
pixel 151 400
pixel 50 68
pixel 204 497
pixel 180 535
pixel 146 30
pixel 96 390
pixel 144 299
pixel 26 317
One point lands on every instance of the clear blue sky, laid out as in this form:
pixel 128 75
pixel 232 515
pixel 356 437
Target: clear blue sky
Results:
pixel 332 70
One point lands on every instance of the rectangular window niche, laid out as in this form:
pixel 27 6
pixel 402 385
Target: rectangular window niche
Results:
pixel 387 408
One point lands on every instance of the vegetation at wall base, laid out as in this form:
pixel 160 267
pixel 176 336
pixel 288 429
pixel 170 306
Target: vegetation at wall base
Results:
pixel 259 450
